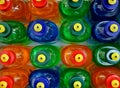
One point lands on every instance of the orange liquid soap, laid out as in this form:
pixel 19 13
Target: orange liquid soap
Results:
pixel 14 10
pixel 44 9
pixel 14 56
pixel 13 78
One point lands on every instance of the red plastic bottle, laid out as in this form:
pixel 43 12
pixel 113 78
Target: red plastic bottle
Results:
pixel 76 56
pixel 44 9
pixel 14 56
pixel 14 10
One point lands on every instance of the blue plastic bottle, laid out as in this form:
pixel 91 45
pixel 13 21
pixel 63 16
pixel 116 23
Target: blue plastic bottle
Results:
pixel 105 9
pixel 106 31
pixel 42 31
pixel 44 78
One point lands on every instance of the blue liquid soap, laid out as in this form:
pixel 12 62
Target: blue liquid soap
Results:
pixel 44 78
pixel 106 31
pixel 105 9
pixel 42 31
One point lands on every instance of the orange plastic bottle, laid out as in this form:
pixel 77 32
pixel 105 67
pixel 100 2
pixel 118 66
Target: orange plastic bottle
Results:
pixel 76 56
pixel 105 77
pixel 44 9
pixel 13 78
pixel 14 56
pixel 14 10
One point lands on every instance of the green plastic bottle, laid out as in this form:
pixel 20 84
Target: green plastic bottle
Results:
pixel 13 32
pixel 45 56
pixel 75 30
pixel 107 55
pixel 74 78
pixel 74 8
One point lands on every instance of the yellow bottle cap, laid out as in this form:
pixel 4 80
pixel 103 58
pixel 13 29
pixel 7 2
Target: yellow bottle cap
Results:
pixel 37 27
pixel 2 2
pixel 3 84
pixel 114 28
pixel 2 29
pixel 77 27
pixel 40 85
pixel 75 0
pixel 112 2
pixel 115 83
pixel 77 84
pixel 4 58
pixel 115 56
pixel 79 58
pixel 41 58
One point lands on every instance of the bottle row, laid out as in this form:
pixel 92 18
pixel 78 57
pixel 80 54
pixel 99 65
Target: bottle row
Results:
pixel 27 10
pixel 92 77
pixel 46 56
pixel 45 31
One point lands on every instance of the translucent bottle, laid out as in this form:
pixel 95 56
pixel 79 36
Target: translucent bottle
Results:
pixel 42 31
pixel 106 31
pixel 14 56
pixel 13 32
pixel 106 55
pixel 75 30
pixel 74 78
pixel 44 9
pixel 14 10
pixel 44 78
pixel 45 56
pixel 76 56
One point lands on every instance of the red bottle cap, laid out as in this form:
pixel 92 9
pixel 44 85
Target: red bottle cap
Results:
pixel 6 82
pixel 39 3
pixel 7 57
pixel 5 4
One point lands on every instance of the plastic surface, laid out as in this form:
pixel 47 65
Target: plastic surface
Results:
pixel 75 78
pixel 45 56
pixel 14 10
pixel 44 31
pixel 13 32
pixel 75 30
pixel 76 56
pixel 44 9
pixel 44 78
pixel 17 56
pixel 106 55
pixel 106 31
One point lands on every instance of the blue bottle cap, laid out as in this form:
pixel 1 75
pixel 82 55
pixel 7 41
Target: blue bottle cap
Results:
pixel 110 4
pixel 41 82
pixel 112 29
pixel 37 28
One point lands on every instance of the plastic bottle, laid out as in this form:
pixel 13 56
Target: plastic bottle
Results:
pixel 76 56
pixel 42 31
pixel 106 31
pixel 45 56
pixel 105 9
pixel 13 78
pixel 75 78
pixel 105 77
pixel 13 32
pixel 75 30
pixel 106 55
pixel 44 9
pixel 14 10
pixel 14 56
pixel 74 8
pixel 44 78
